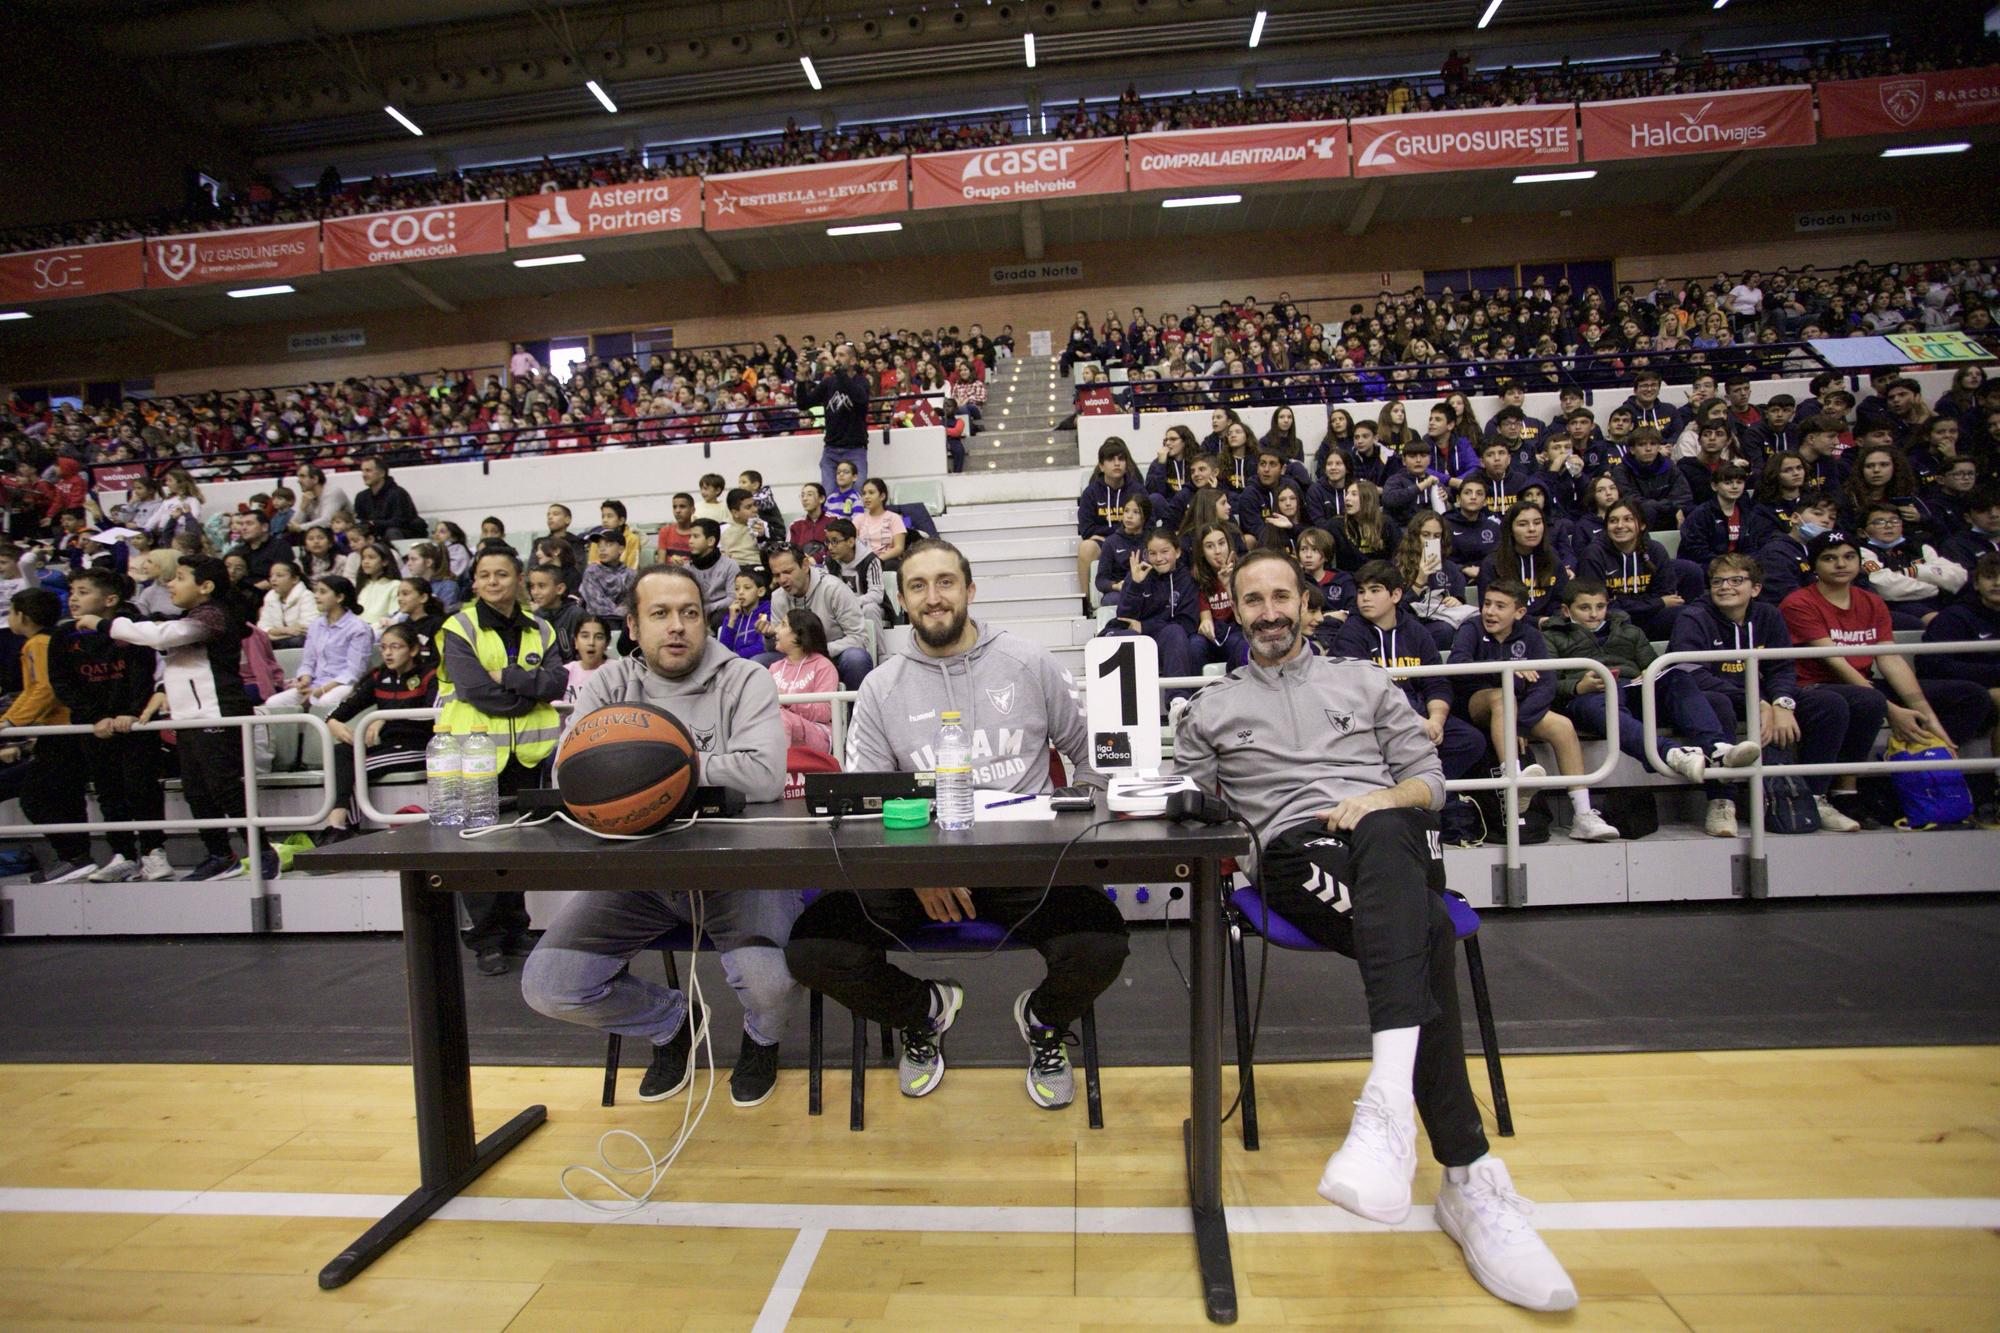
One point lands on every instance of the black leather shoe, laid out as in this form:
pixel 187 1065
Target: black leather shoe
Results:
pixel 492 962
pixel 756 1073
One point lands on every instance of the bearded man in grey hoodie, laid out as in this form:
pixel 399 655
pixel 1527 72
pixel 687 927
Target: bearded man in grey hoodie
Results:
pixel 1016 702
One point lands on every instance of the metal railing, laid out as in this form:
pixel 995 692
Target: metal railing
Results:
pixel 1757 883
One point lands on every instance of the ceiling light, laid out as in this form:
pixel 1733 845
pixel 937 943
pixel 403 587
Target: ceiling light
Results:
pixel 864 228
pixel 1028 40
pixel 275 289
pixel 543 261
pixel 1257 30
pixel 1491 10
pixel 1544 177
pixel 404 121
pixel 1926 149
pixel 603 98
pixel 1720 3
pixel 15 314
pixel 1202 201
pixel 812 75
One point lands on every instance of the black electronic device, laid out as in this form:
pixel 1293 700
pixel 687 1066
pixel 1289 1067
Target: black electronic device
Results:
pixel 709 802
pixel 842 794
pixel 1073 798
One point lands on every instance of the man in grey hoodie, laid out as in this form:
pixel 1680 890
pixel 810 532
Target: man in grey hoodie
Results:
pixel 577 973
pixel 797 581
pixel 1016 702
pixel 1328 760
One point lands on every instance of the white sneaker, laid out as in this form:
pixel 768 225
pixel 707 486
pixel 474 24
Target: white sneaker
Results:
pixel 117 870
pixel 1533 771
pixel 1589 826
pixel 1740 755
pixel 1370 1176
pixel 153 866
pixel 1490 1223
pixel 1686 760
pixel 1721 821
pixel 1831 819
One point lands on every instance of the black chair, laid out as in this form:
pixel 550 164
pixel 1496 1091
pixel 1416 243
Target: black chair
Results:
pixel 681 938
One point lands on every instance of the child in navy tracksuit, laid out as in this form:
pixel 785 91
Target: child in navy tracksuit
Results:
pixel 1160 601
pixel 1100 507
pixel 1473 531
pixel 1645 583
pixel 1384 633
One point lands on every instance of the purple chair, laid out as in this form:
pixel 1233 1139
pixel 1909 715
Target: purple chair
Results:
pixel 1244 909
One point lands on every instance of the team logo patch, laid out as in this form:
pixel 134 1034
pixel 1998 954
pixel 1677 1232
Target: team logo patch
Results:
pixel 1002 699
pixel 1245 736
pixel 1519 648
pixel 1111 747
pixel 532 659
pixel 1342 722
pixel 703 740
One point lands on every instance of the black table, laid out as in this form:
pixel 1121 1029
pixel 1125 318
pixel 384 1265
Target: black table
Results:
pixel 434 864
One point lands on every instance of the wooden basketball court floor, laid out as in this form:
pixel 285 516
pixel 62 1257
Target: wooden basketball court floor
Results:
pixel 1821 1189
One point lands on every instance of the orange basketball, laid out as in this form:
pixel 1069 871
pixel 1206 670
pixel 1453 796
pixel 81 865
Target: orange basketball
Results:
pixel 626 768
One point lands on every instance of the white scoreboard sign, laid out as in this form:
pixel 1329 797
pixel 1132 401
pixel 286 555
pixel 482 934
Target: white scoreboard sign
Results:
pixel 1122 703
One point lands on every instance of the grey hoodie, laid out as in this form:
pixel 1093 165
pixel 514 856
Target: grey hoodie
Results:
pixel 1283 743
pixel 1016 701
pixel 729 704
pixel 838 609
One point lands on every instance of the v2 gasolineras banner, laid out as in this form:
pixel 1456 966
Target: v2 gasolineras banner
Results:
pixel 1698 123
pixel 73 270
pixel 410 235
pixel 1501 136
pixel 1018 172
pixel 1238 155
pixel 1945 99
pixel 249 254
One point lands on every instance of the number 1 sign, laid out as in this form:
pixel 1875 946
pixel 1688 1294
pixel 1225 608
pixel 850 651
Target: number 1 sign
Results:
pixel 1122 692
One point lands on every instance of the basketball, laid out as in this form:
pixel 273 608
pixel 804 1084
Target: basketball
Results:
pixel 626 769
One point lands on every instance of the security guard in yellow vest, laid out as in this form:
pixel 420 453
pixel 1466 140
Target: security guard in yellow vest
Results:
pixel 499 666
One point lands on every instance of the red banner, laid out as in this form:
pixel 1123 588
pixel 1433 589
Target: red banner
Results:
pixel 1502 136
pixel 79 270
pixel 412 234
pixel 604 210
pixel 1020 172
pixel 1942 100
pixel 254 254
pixel 1306 151
pixel 827 191
pixel 1698 123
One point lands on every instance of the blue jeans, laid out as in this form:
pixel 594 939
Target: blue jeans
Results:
pixel 578 972
pixel 831 458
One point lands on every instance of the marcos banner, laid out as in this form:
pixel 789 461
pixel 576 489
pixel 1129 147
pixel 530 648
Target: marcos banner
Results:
pixel 1237 155
pixel 604 210
pixel 1943 100
pixel 406 236
pixel 1017 173
pixel 251 254
pixel 1502 136
pixel 1697 123
pixel 827 191
pixel 77 270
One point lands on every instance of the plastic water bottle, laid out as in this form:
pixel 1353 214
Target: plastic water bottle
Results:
pixel 444 773
pixel 482 779
pixel 954 775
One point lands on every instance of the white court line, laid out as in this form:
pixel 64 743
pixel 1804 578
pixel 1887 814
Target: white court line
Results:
pixel 790 1283
pixel 1619 1215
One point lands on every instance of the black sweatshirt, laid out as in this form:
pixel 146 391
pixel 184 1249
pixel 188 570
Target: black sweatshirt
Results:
pixel 96 677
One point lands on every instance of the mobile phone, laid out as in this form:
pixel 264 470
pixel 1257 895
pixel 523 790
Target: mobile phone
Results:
pixel 1433 548
pixel 1073 798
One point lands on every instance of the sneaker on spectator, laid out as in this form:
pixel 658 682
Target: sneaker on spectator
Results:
pixel 240 868
pixel 211 867
pixel 1832 820
pixel 1478 1208
pixel 1533 771
pixel 920 1060
pixel 62 872
pixel 1740 755
pixel 1371 1172
pixel 1589 826
pixel 154 866
pixel 118 870
pixel 1686 760
pixel 673 1060
pixel 1721 821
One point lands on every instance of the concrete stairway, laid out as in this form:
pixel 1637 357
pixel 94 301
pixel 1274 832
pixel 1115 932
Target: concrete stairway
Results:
pixel 1024 401
pixel 1023 555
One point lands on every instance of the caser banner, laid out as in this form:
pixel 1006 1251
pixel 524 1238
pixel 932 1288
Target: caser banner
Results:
pixel 1239 155
pixel 248 254
pixel 406 236
pixel 1941 100
pixel 604 210
pixel 1698 123
pixel 818 193
pixel 76 270
pixel 1501 136
pixel 1018 173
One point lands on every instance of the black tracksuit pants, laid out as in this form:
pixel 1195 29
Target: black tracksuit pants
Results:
pixel 1373 894
pixel 500 920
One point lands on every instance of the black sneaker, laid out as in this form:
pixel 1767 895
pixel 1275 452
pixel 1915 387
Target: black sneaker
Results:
pixel 673 1062
pixel 211 867
pixel 61 872
pixel 331 836
pixel 492 962
pixel 756 1073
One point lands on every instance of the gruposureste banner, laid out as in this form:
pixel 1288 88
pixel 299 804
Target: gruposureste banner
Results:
pixel 251 254
pixel 828 191
pixel 76 270
pixel 410 235
pixel 1943 100
pixel 1698 123
pixel 1018 173
pixel 604 210
pixel 1502 136
pixel 1239 155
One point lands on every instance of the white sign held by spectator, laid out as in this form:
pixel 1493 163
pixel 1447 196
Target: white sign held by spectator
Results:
pixel 1041 343
pixel 1122 703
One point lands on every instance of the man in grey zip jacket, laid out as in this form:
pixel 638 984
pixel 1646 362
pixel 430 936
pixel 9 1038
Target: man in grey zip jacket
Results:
pixel 577 973
pixel 1015 702
pixel 797 581
pixel 1326 757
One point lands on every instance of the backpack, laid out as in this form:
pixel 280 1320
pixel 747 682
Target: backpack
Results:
pixel 1537 815
pixel 1788 803
pixel 1462 822
pixel 1934 798
pixel 1634 813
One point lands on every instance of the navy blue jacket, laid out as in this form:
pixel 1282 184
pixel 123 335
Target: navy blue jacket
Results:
pixel 1967 546
pixel 1503 491
pixel 1786 568
pixel 1661 490
pixel 1546 580
pixel 1409 644
pixel 1324 502
pixel 1705 532
pixel 1637 580
pixel 1472 539
pixel 1965 621
pixel 1114 563
pixel 1525 644
pixel 1703 628
pixel 1158 600
pixel 1167 478
pixel 1100 507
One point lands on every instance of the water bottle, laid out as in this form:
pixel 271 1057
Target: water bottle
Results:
pixel 954 775
pixel 444 773
pixel 482 779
